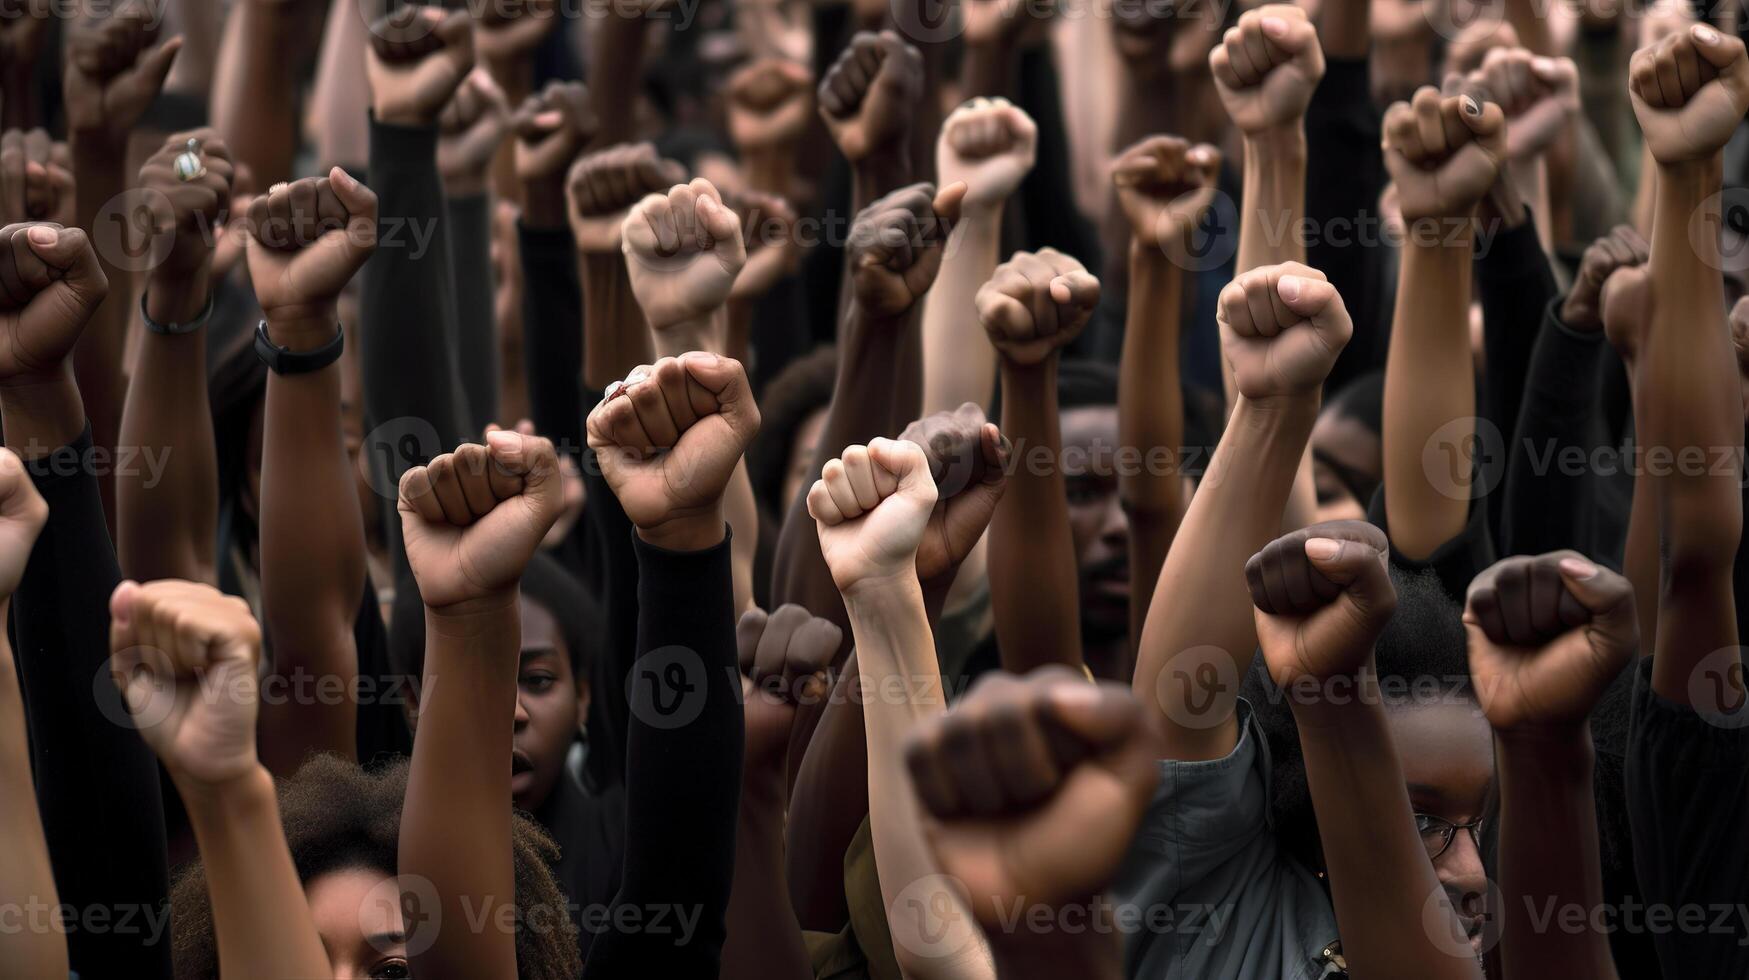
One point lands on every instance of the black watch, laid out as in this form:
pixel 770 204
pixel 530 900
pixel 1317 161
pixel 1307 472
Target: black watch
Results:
pixel 281 360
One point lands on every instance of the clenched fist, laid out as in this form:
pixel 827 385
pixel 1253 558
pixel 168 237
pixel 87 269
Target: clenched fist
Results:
pixel 1625 306
pixel 768 227
pixel 783 658
pixel 602 186
pixel 1621 248
pixel 1281 329
pixel 872 505
pixel 190 211
pixel 306 240
pixel 668 438
pixel 895 247
pixel 509 32
pixel 472 518
pixel 474 121
pixel 36 178
pixel 1689 90
pixel 552 127
pixel 770 103
pixel 1323 595
pixel 869 95
pixel 989 145
pixel 1032 787
pixel 1164 185
pixel 1035 304
pixel 113 72
pixel 417 58
pixel 50 284
pixel 1267 67
pixel 185 656
pixel 1443 154
pixel 968 460
pixel 1540 96
pixel 683 251
pixel 22 516
pixel 1548 635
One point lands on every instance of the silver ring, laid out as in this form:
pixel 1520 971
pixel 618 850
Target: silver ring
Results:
pixel 188 164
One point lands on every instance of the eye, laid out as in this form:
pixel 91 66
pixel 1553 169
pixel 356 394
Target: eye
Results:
pixel 1426 825
pixel 395 969
pixel 539 683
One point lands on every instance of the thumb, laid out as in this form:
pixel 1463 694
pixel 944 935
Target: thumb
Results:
pixel 1358 569
pixel 1485 120
pixel 154 66
pixel 361 209
pixel 1314 299
pixel 534 459
pixel 725 230
pixel 1608 597
pixel 947 206
pixel 908 465
pixel 68 252
pixel 726 380
pixel 1720 51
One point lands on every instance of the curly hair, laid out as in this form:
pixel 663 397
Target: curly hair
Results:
pixel 338 815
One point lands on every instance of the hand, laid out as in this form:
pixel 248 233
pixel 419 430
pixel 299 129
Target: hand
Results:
pixel 870 93
pixel 997 21
pixel 22 24
pixel 509 33
pixel 36 178
pixel 784 658
pixel 1548 635
pixel 1626 304
pixel 113 73
pixel 1323 595
pixel 989 145
pixel 872 505
pixel 22 516
pixel 1032 788
pixel 569 477
pixel 1267 67
pixel 1443 154
pixel 968 459
pixel 1281 329
pixel 552 127
pixel 602 186
pixel 471 519
pixel 770 103
pixel 306 240
pixel 895 247
pixel 1622 247
pixel 683 251
pixel 668 439
pixel 1035 304
pixel 55 272
pixel 185 657
pixel 418 57
pixel 474 121
pixel 1540 97
pixel 768 227
pixel 188 210
pixel 1164 186
pixel 1689 91
pixel 1157 39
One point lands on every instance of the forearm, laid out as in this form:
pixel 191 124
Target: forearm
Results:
pixel 615 67
pixel 1034 593
pixel 261 919
pixel 1274 193
pixel 879 174
pixel 1236 512
pixel 1344 30
pixel 1150 419
pixel 959 365
pixel 764 940
pixel 470 219
pixel 1548 854
pixel 828 802
pixel 167 521
pixel 27 878
pixel 98 159
pixel 455 827
pixel 254 95
pixel 1381 883
pixel 987 68
pixel 615 338
pixel 1429 389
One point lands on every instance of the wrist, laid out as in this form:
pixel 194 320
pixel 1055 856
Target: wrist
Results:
pixel 1554 748
pixel 1702 172
pixel 876 590
pixel 1275 143
pixel 1325 702
pixel 302 328
pixel 483 615
pixel 675 337
pixel 179 295
pixel 544 202
pixel 224 797
pixel 469 184
pixel 41 412
pixel 694 531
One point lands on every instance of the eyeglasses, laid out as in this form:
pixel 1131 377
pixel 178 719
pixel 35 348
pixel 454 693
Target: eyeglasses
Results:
pixel 1437 833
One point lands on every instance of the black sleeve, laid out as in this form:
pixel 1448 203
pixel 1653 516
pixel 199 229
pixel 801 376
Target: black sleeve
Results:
pixel 1515 284
pixel 1344 176
pixel 470 242
pixel 684 771
pixel 1687 791
pixel 1457 561
pixel 552 334
pixel 614 577
pixel 96 780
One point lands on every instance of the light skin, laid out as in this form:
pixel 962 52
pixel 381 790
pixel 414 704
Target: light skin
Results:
pixel 364 938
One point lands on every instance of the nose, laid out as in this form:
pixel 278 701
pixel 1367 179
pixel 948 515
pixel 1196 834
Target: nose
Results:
pixel 1114 528
pixel 1460 870
pixel 521 714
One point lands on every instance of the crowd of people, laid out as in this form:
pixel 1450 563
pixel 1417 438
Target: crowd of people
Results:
pixel 786 489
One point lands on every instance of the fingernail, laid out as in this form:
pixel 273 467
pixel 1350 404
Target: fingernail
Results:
pixel 635 377
pixel 1074 695
pixel 1198 155
pixel 503 441
pixel 1543 64
pixel 1289 287
pixel 44 235
pixel 612 389
pixel 1471 107
pixel 1578 569
pixel 1274 26
pixel 1705 34
pixel 1322 549
pixel 344 179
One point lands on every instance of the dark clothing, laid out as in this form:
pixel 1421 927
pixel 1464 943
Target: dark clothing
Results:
pixel 1344 176
pixel 590 830
pixel 1458 560
pixel 1515 284
pixel 476 350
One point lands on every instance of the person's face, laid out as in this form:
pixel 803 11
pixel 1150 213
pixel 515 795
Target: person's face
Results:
pixel 550 704
pixel 1096 520
pixel 1343 447
pixel 801 457
pixel 1447 755
pixel 358 915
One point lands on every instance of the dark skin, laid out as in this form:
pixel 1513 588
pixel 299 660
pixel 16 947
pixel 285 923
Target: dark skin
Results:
pixel 1446 752
pixel 1101 533
pixel 1342 443
pixel 867 99
pixel 551 703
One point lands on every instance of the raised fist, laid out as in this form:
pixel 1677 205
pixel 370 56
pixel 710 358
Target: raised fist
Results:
pixel 1035 304
pixel 602 186
pixel 1548 635
pixel 306 240
pixel 770 103
pixel 508 32
pixel 1267 67
pixel 895 246
pixel 1164 185
pixel 190 211
pixel 418 57
pixel 50 284
pixel 36 178
pixel 784 658
pixel 1323 595
pixel 768 227
pixel 997 21
pixel 1540 96
pixel 472 518
pixel 185 657
pixel 1032 787
pixel 668 439
pixel 1621 248
pixel 1281 328
pixel 989 145
pixel 1156 38
pixel 683 251
pixel 570 477
pixel 870 94
pixel 112 70
pixel 22 515
pixel 872 505
pixel 474 121
pixel 23 25
pixel 1443 154
pixel 968 459
pixel 1625 305
pixel 1689 90
pixel 552 127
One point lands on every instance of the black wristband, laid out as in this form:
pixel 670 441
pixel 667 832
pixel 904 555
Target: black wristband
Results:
pixel 175 328
pixel 280 360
